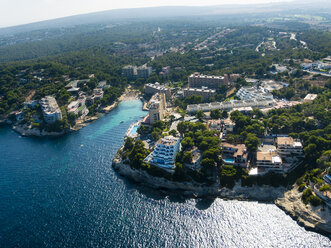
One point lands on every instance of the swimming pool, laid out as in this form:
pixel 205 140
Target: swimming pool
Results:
pixel 228 160
pixel 134 130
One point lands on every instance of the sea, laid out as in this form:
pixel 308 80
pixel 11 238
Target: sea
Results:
pixel 63 192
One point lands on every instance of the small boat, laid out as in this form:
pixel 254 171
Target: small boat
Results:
pixel 122 122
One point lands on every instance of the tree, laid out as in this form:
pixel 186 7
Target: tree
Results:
pixel 208 164
pixel 128 143
pixel 142 129
pixel 252 142
pixel 173 132
pixel 187 158
pixel 182 127
pixel 215 114
pixel 187 143
pixel 225 114
pixel 199 115
pixel 72 119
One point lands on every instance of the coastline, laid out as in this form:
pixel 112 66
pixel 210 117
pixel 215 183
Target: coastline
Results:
pixel 256 193
pixel 126 96
pixel 317 219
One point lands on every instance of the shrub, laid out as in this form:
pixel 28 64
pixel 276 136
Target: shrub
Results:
pixel 306 194
pixel 302 187
pixel 315 200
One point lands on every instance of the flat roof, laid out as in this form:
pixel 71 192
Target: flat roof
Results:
pixel 285 141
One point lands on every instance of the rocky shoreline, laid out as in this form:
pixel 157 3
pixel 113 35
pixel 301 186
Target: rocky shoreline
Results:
pixel 265 193
pixel 313 219
pixel 316 219
pixel 25 131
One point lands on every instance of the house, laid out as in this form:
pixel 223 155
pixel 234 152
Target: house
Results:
pixel 30 104
pixel 196 159
pixel 164 154
pixel 310 97
pixel 287 146
pixel 269 160
pixel 235 154
pixel 228 126
pixel 215 125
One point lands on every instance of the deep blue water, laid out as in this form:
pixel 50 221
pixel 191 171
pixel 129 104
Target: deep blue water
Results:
pixel 63 192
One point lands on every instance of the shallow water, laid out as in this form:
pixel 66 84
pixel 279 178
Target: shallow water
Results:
pixel 63 192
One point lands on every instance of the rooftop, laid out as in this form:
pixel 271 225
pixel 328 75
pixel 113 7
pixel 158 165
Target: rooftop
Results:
pixel 285 141
pixel 310 97
pixel 270 156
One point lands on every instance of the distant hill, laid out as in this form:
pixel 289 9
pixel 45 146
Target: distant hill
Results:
pixel 320 6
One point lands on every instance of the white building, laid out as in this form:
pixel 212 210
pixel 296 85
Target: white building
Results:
pixel 50 109
pixel 197 80
pixel 144 71
pixel 310 97
pixel 230 105
pixel 73 107
pixel 164 154
pixel 204 92
pixel 157 108
pixel 269 161
pixel 157 88
pixel 287 146
pixel 252 93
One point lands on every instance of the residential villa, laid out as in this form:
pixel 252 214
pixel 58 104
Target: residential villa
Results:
pixel 196 159
pixel 235 154
pixel 164 154
pixel 215 125
pixel 228 126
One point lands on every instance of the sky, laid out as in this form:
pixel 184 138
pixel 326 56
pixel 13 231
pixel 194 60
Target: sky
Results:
pixel 16 12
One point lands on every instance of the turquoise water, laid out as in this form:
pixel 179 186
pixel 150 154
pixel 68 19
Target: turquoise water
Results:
pixel 229 160
pixel 63 192
pixel 134 130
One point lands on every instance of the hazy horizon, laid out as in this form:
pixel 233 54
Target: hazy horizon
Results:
pixel 42 10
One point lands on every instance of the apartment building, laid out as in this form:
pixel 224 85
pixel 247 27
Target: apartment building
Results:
pixel 129 71
pixel 157 88
pixel 287 146
pixel 204 92
pixel 164 154
pixel 144 71
pixel 198 80
pixel 50 109
pixel 133 72
pixel 229 105
pixel 157 108
pixel 269 160
pixel 252 93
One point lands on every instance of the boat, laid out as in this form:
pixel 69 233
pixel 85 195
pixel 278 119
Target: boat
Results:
pixel 122 122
